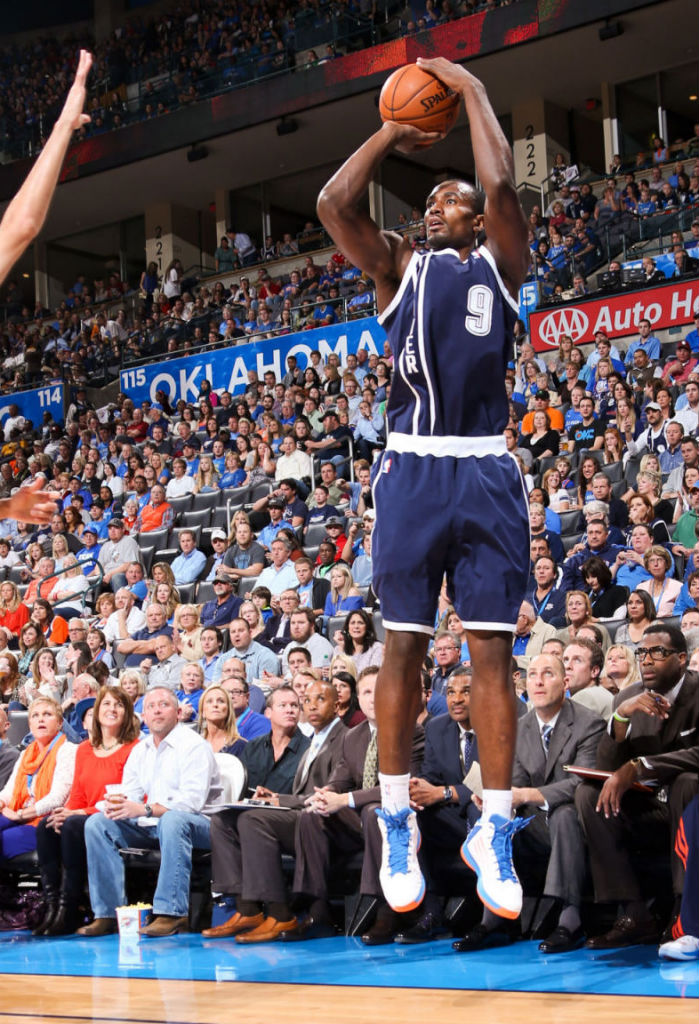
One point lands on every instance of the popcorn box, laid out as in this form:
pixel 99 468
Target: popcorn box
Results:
pixel 132 918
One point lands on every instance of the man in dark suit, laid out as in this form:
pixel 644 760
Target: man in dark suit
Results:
pixel 554 733
pixel 652 719
pixel 276 632
pixel 344 819
pixel 446 811
pixel 8 754
pixel 247 848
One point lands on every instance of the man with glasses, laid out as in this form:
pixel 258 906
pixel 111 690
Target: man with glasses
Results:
pixel 251 723
pixel 447 654
pixel 224 605
pixel 655 723
pixel 277 628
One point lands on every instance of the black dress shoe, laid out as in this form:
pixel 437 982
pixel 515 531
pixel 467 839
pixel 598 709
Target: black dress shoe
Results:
pixel 480 938
pixel 429 927
pixel 310 928
pixel 562 940
pixel 381 932
pixel 626 932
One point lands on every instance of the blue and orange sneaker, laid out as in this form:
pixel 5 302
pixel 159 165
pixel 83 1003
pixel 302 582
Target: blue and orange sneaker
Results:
pixel 488 851
pixel 400 875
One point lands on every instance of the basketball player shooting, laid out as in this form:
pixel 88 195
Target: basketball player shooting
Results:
pixel 449 316
pixel 23 220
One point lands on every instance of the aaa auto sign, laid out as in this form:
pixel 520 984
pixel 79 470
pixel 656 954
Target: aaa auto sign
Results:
pixel 618 315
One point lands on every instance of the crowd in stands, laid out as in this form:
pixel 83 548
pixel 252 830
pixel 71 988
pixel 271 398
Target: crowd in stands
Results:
pixel 582 229
pixel 91 335
pixel 211 565
pixel 195 49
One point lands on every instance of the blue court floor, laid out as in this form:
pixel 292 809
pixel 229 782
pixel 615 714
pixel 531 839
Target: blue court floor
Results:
pixel 345 961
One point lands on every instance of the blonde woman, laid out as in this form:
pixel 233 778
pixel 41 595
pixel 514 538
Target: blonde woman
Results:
pixel 45 680
pixel 253 616
pixel 13 614
pixel 343 595
pixel 579 614
pixel 67 591
pixel 238 517
pixel 342 663
pixel 217 722
pixel 620 668
pixel 187 632
pixel 162 573
pixel 206 477
pixel 165 594
pixel 133 682
pixel 59 551
pixel 40 781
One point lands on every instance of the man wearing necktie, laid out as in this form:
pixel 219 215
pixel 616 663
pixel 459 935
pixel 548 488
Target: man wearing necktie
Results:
pixel 556 732
pixel 446 811
pixel 253 849
pixel 343 820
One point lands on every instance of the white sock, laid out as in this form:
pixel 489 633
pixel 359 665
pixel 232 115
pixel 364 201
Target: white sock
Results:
pixel 394 792
pixel 497 801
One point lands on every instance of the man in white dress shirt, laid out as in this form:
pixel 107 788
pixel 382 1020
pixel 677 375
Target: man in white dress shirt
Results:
pixel 170 780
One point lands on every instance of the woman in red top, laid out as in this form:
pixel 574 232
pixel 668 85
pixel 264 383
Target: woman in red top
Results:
pixel 13 614
pixel 99 761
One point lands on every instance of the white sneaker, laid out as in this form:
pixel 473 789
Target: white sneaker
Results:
pixel 400 875
pixel 488 851
pixel 684 948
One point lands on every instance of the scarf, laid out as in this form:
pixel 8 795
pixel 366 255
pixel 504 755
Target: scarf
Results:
pixel 35 775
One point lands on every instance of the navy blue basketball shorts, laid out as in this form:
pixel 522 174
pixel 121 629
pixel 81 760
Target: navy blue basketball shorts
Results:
pixel 456 506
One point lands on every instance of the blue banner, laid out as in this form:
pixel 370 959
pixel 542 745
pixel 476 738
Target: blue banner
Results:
pixel 33 404
pixel 528 300
pixel 227 369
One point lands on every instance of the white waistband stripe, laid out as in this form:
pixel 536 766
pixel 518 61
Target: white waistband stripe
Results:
pixel 446 446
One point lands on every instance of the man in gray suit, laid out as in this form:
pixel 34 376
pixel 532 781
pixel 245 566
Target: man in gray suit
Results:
pixel 248 848
pixel 556 732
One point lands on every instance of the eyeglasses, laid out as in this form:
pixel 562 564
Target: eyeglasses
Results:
pixel 656 653
pixel 236 693
pixel 443 650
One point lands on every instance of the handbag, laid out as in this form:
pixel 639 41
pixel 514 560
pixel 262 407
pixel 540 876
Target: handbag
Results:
pixel 20 909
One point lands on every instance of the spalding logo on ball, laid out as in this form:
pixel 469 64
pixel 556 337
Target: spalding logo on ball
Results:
pixel 413 96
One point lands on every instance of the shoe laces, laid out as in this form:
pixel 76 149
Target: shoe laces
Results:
pixel 501 842
pixel 398 837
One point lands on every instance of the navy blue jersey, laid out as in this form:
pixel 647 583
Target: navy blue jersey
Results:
pixel 450 327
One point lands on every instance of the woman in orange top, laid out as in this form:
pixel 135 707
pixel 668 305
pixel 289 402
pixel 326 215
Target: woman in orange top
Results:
pixel 13 614
pixel 40 780
pixel 61 837
pixel 53 627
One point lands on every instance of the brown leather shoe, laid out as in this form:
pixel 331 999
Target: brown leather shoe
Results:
pixel 165 924
pixel 268 931
pixel 626 932
pixel 100 926
pixel 233 926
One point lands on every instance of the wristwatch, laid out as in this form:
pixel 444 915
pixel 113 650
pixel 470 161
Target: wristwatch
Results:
pixel 148 810
pixel 447 794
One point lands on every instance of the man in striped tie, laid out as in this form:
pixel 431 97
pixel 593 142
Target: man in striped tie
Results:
pixel 446 810
pixel 343 820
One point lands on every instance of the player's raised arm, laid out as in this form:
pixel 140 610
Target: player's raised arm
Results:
pixel 383 255
pixel 505 224
pixel 26 214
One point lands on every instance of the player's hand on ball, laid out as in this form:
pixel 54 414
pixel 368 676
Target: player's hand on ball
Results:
pixel 453 75
pixel 408 138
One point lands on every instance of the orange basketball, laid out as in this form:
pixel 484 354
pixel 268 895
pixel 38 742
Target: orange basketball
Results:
pixel 413 96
